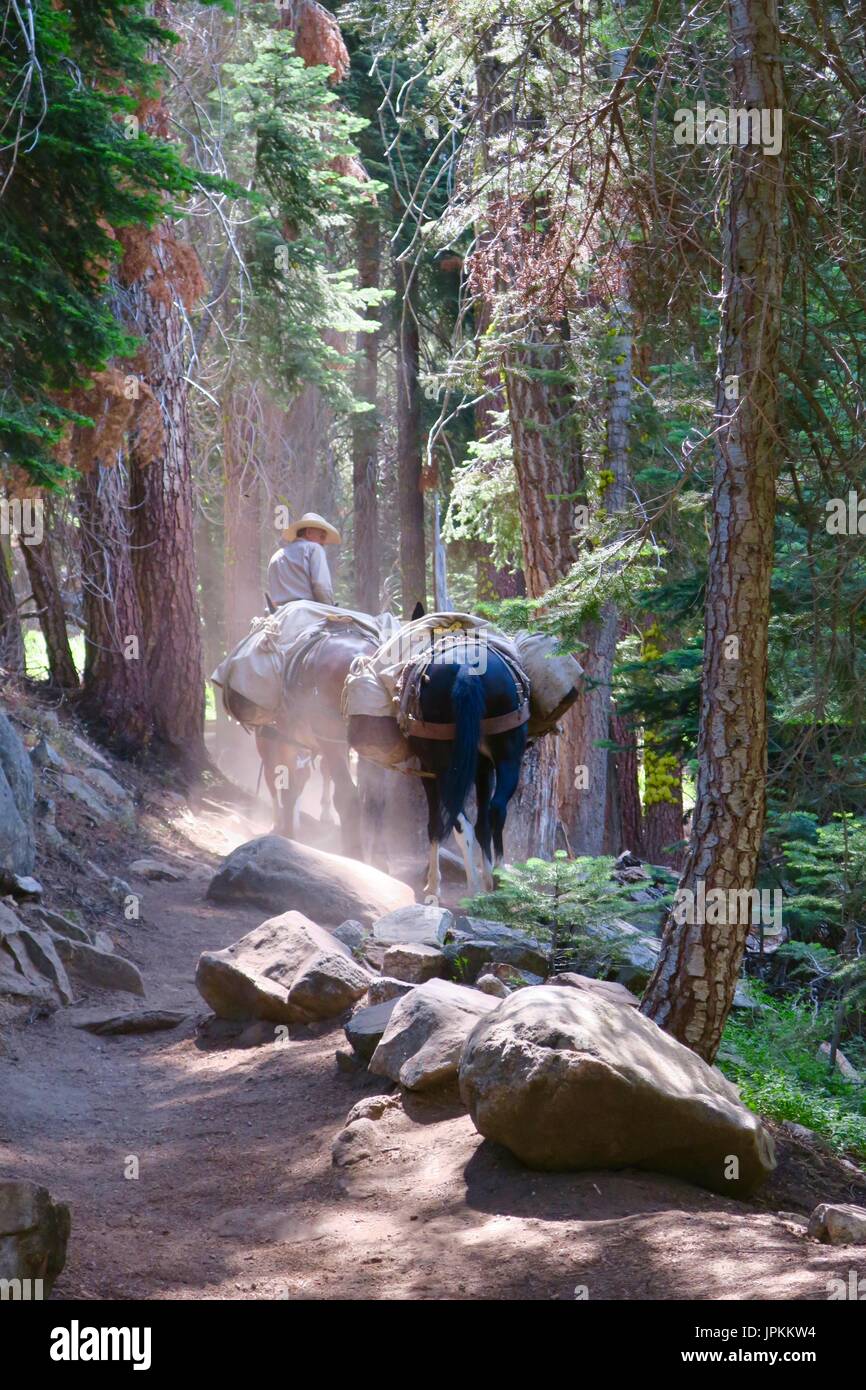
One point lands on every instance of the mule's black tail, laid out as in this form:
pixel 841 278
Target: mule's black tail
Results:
pixel 467 701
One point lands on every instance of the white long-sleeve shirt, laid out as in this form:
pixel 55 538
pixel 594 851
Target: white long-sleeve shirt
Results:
pixel 299 569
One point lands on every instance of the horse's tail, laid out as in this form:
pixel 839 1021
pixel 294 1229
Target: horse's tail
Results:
pixel 467 701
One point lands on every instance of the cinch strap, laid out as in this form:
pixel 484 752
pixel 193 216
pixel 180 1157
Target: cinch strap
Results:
pixel 499 724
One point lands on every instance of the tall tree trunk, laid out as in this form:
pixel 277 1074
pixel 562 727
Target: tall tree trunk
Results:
pixel 365 428
pixel 164 542
pixel 45 587
pixel 663 777
pixel 547 465
pixel 11 640
pixel 624 829
pixel 441 597
pixel 692 988
pixel 115 696
pixel 242 520
pixel 593 713
pixel 413 550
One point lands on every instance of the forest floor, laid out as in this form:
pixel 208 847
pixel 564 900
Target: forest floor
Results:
pixel 236 1196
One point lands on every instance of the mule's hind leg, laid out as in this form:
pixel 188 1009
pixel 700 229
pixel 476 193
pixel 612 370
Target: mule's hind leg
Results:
pixel 483 784
pixel 279 764
pixel 466 840
pixel 326 805
pixel 346 800
pixel 434 833
pixel 507 757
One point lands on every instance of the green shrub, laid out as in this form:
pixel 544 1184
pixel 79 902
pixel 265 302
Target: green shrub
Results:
pixel 771 1054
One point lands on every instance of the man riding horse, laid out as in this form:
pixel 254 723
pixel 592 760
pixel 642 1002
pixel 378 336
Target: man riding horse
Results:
pixel 299 569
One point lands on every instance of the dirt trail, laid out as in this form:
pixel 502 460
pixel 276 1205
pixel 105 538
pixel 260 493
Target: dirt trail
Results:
pixel 236 1196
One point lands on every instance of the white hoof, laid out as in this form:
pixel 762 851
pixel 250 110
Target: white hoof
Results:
pixel 431 900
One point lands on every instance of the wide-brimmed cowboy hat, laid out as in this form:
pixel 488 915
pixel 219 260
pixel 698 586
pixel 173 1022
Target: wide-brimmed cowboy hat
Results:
pixel 332 535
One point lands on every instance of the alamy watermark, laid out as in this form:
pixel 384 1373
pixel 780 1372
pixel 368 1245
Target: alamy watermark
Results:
pixel 22 519
pixel 728 906
pixel 732 126
pixel 846 516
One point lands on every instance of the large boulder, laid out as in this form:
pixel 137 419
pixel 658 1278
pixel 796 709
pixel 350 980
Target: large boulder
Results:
pixel 568 1080
pixel 17 841
pixel 34 1232
pixel 414 924
pixel 422 1042
pixel 288 970
pixel 282 875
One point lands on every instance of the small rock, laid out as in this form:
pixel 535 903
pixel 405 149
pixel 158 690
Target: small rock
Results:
pixel 328 985
pixel 511 976
pixel 352 1145
pixel 25 887
pixel 348 1062
pixel 80 791
pixel 287 970
pixel 58 923
pixel 627 860
pixel 46 755
pixel 422 1042
pixel 795 1219
pixel 120 888
pixel 258 1034
pixel 415 963
pixel 52 837
pixel 474 942
pixel 352 934
pixel 491 984
pixel 413 925
pixel 384 988
pixel 142 1021
pixel 109 787
pixel 805 1135
pixel 98 969
pixel 34 1232
pixel 373 1108
pixel 156 870
pixel 365 1028
pixel 842 1224
pixel 90 753
pixel 608 989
